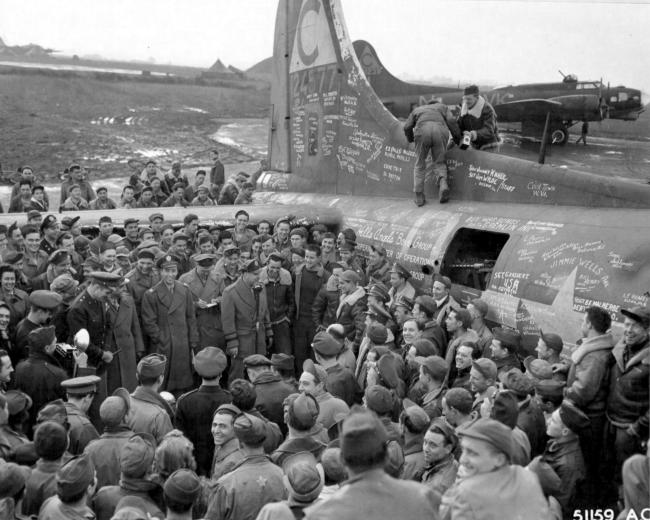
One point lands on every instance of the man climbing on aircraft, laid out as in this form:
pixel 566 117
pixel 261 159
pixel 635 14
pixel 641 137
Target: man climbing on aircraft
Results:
pixel 478 119
pixel 429 126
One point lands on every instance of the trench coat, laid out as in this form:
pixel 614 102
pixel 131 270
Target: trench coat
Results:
pixel 208 320
pixel 169 320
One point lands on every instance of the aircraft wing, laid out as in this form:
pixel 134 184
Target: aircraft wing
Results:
pixel 512 111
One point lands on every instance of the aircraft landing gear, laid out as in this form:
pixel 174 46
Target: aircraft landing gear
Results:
pixel 560 135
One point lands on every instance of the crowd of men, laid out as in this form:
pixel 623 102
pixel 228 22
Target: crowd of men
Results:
pixel 279 371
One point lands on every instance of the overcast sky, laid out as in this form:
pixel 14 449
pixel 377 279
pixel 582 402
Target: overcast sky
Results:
pixel 497 41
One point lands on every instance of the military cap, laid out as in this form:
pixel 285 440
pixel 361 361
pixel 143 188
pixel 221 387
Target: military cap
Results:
pixel 350 276
pixel 68 222
pixel 257 360
pixel 179 235
pixel 122 251
pixel 303 411
pixel 406 302
pixel 63 283
pixel 491 431
pixel 250 429
pixel 480 306
pixel 387 370
pixel 33 214
pixel 146 253
pixel 45 299
pixel 81 241
pixel 203 187
pixel 112 410
pixel 282 361
pixel 337 331
pixel 251 266
pixel 444 280
pixel 418 418
pixel 131 220
pixel 486 367
pixel 210 362
pixel 550 388
pixel 12 479
pixel 572 417
pixel 101 188
pixel 362 434
pixel 74 477
pixel 53 411
pixel 325 345
pixel 552 341
pixel 515 380
pixel 106 279
pixel 17 401
pixel 377 333
pixel 436 366
pixel 228 408
pixel 147 188
pixel 48 221
pixel 427 304
pixel 144 230
pixel 303 476
pixel 167 260
pixel 231 250
pixel 152 365
pixel 12 257
pixel 379 399
pixel 538 368
pixel 379 313
pixel 380 292
pixel 114 239
pixel 639 314
pixel 137 455
pixel 182 486
pixel 205 259
pixel 155 216
pixel 41 337
pixel 507 337
pixel 319 373
pixel 425 348
pixel 80 385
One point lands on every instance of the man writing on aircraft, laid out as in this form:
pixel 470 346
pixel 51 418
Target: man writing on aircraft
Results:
pixel 429 127
pixel 478 119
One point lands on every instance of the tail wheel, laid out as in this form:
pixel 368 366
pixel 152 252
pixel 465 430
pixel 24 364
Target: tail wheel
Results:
pixel 560 136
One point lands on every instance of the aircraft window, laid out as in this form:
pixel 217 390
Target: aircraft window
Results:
pixel 471 256
pixel 622 96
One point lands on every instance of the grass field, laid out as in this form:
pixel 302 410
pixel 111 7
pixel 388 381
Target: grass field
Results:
pixel 49 122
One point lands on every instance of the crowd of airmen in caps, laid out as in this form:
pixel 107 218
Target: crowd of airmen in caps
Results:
pixel 277 373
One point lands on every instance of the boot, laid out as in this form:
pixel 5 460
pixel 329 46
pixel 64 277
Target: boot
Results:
pixel 419 198
pixel 443 191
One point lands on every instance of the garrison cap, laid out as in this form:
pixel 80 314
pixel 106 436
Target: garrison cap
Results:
pixel 550 388
pixel 113 240
pixel 53 411
pixel 377 333
pixel 303 476
pixel 257 360
pixel 167 260
pixel 210 362
pixel 250 429
pixel 444 280
pixel 81 242
pixel 205 259
pixel 572 417
pixel 639 314
pixel 231 250
pixel 106 279
pixel 417 416
pixel 379 399
pixel 155 216
pixel 251 266
pixel 182 486
pixel 45 299
pixel 81 385
pixel 319 373
pixel 400 270
pixel 63 283
pixel 507 336
pixel 362 434
pixel 75 476
pixel 152 365
pixel 48 221
pixel 147 244
pixel 480 306
pixel 68 222
pixel 380 292
pixel 131 220
pixel 325 344
pixel 146 253
pixel 486 367
pixel 12 479
pixel 137 455
pixel 282 361
pixel 553 341
pixel 34 213
pixel 435 365
pixel 515 380
pixel 58 257
pixel 17 401
pixel 350 276
pixel 491 431
pixel 12 257
pixel 406 302
pixel 538 368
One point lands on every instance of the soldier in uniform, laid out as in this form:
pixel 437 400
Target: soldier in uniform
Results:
pixel 400 285
pixel 280 299
pixel 150 413
pixel 42 306
pixel 207 289
pixel 168 318
pixel 227 452
pixel 245 317
pixel 40 375
pixel 195 409
pixel 227 268
pixel 253 483
pixel 80 392
pixel 141 278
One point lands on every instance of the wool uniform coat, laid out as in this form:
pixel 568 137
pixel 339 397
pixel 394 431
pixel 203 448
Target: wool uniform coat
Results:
pixel 169 320
pixel 208 320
